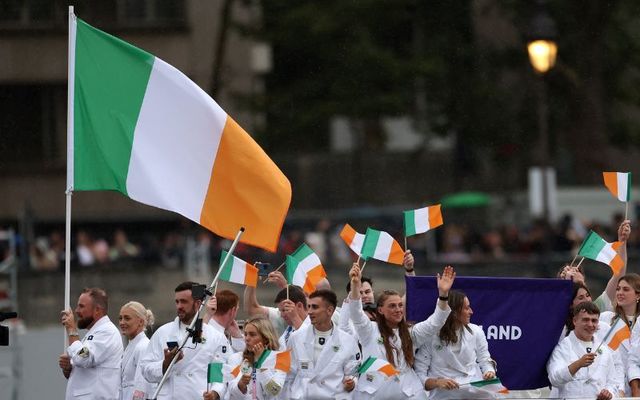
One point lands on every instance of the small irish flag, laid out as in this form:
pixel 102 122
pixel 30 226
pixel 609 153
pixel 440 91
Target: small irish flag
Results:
pixel 381 246
pixel 238 271
pixel 219 373
pixel 280 360
pixel 619 184
pixel 618 333
pixel 596 248
pixel 491 385
pixel 422 220
pixel 373 364
pixel 352 238
pixel 141 127
pixel 304 268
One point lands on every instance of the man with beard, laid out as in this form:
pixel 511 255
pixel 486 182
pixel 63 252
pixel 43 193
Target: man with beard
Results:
pixel 92 364
pixel 188 377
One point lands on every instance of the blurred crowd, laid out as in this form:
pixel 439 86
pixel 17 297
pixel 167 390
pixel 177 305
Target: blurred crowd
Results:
pixel 189 244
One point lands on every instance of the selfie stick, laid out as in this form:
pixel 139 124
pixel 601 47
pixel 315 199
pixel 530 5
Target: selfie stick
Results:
pixel 202 305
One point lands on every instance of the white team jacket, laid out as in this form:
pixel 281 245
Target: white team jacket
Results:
pixel 322 380
pixel 407 385
pixel 131 378
pixel 436 360
pixel 588 381
pixel 188 377
pixel 96 363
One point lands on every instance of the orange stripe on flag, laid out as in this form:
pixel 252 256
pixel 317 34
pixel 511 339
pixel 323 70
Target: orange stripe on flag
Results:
pixel 396 256
pixel 251 276
pixel 314 275
pixel 348 233
pixel 611 182
pixel 435 216
pixel 283 361
pixel 620 336
pixel 246 190
pixel 616 264
pixel 388 370
pixel 236 370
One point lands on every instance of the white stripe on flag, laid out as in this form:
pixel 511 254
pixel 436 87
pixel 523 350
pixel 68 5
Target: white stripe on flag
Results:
pixel 170 112
pixel 383 247
pixel 421 220
pixel 623 180
pixel 238 271
pixel 606 254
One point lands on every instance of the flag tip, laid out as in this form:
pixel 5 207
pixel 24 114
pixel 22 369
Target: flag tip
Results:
pixel 242 229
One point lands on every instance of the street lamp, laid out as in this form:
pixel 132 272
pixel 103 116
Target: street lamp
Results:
pixel 542 50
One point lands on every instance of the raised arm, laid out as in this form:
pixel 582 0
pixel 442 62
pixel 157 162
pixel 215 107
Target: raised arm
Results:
pixel 251 305
pixel 624 230
pixel 424 330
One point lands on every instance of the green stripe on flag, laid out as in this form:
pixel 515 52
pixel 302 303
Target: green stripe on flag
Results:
pixel 494 381
pixel 370 242
pixel 592 246
pixel 629 186
pixel 365 365
pixel 409 223
pixel 263 357
pixel 111 79
pixel 214 373
pixel 225 274
pixel 302 252
pixel 292 265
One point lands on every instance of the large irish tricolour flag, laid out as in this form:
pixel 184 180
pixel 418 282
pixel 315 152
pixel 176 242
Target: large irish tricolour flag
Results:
pixel 141 127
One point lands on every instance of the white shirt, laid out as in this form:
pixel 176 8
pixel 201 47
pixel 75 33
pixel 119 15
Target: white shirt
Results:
pixel 237 344
pixel 96 363
pixel 187 379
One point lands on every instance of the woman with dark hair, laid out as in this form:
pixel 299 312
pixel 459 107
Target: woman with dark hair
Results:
pixel 627 308
pixel 389 338
pixel 459 354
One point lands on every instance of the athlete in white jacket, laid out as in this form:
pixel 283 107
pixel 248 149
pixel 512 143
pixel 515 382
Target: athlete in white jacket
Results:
pixel 93 363
pixel 390 339
pixel 324 358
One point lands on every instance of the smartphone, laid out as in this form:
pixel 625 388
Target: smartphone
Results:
pixel 172 344
pixel 264 268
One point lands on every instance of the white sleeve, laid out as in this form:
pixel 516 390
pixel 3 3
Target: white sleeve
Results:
pixel 483 358
pixel 558 366
pixel 353 357
pixel 423 331
pixel 271 382
pixel 343 322
pixel 151 361
pixel 93 351
pixel 361 323
pixel 422 364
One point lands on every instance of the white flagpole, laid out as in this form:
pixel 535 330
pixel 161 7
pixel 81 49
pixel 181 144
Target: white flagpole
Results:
pixel 71 60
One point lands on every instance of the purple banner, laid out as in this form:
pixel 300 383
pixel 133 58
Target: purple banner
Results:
pixel 522 319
